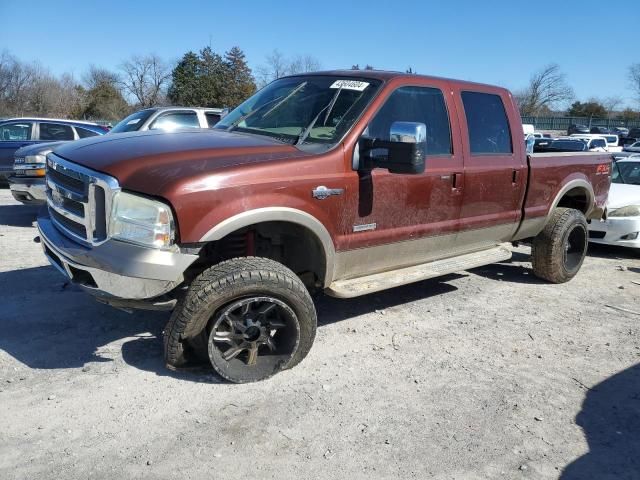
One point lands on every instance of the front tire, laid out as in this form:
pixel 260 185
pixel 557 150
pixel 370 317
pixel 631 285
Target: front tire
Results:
pixel 558 251
pixel 256 315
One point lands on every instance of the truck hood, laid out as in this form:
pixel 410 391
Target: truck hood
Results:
pixel 151 161
pixel 622 194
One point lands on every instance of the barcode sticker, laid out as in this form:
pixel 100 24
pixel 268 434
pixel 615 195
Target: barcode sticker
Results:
pixel 350 85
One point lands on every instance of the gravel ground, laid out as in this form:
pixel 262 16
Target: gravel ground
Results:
pixel 489 374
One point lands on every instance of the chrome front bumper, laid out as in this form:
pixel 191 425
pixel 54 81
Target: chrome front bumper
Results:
pixel 113 269
pixel 30 191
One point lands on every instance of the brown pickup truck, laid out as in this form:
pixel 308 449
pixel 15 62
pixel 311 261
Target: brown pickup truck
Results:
pixel 344 182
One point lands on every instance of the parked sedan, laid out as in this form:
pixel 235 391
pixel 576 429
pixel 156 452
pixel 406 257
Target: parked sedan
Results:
pixel 600 130
pixel 622 225
pixel 620 131
pixel 634 147
pixel 19 132
pixel 577 129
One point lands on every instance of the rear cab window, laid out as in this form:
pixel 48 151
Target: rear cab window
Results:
pixel 56 131
pixel 85 133
pixel 212 118
pixel 487 124
pixel 16 131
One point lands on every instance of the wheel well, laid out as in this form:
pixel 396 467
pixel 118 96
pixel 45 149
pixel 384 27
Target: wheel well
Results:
pixel 576 198
pixel 290 244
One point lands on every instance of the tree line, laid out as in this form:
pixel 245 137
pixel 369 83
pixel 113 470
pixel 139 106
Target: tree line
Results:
pixel 205 78
pixel 548 93
pixel 210 79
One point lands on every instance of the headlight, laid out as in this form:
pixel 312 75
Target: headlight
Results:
pixel 628 211
pixel 40 158
pixel 142 221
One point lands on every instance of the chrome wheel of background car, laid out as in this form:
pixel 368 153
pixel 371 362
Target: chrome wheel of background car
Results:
pixel 575 247
pixel 253 338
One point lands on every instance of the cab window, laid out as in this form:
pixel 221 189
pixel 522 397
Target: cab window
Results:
pixel 176 120
pixel 16 132
pixel 415 104
pixel 55 131
pixel 487 123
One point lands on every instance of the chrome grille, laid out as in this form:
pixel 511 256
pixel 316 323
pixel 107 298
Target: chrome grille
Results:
pixel 79 200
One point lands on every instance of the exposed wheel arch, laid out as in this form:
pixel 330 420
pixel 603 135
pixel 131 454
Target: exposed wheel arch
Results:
pixel 293 238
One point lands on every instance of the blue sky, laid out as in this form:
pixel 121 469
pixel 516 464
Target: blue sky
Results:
pixel 499 42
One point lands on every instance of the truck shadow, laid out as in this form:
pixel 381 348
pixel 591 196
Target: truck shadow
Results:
pixel 510 271
pixel 18 215
pixel 46 323
pixel 610 419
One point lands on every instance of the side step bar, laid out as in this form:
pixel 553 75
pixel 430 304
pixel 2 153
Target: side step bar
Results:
pixel 394 278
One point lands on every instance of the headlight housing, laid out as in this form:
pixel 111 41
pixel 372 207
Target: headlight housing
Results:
pixel 40 158
pixel 628 211
pixel 142 221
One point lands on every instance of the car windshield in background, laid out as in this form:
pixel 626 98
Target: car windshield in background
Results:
pixel 626 172
pixel 314 110
pixel 133 122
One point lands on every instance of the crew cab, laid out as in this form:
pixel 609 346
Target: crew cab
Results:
pixel 346 182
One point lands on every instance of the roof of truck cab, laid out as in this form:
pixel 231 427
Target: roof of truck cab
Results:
pixel 385 76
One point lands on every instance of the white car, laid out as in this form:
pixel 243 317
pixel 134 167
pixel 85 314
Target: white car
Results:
pixel 610 140
pixel 622 225
pixel 634 147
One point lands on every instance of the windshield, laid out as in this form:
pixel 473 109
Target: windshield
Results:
pixel 133 122
pixel 626 172
pixel 315 110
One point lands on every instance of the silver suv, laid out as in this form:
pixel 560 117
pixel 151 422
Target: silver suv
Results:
pixel 170 118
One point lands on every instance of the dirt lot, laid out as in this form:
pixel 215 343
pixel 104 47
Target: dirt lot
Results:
pixel 490 374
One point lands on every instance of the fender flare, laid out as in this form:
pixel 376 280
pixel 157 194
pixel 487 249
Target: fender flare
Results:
pixel 576 183
pixel 279 214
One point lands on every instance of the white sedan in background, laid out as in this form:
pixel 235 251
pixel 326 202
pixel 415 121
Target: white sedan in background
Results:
pixel 622 226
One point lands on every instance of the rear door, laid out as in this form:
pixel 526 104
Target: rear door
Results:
pixel 494 167
pixel 13 135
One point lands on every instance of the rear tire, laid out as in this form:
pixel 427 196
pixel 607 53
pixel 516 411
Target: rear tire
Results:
pixel 558 251
pixel 275 334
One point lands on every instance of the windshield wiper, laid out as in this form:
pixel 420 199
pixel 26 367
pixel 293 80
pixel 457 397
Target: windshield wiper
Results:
pixel 244 117
pixel 328 107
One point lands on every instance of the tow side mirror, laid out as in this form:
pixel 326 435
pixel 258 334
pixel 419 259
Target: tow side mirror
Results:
pixel 405 151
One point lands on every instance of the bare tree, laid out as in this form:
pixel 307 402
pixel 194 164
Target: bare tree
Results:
pixel 278 65
pixel 547 88
pixel 96 76
pixel 145 78
pixel 15 80
pixel 612 104
pixel 303 64
pixel 634 78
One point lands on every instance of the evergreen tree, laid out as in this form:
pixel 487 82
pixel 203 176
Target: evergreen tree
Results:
pixel 185 81
pixel 239 83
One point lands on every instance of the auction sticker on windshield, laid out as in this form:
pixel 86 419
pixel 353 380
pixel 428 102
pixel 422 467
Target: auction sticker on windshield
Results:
pixel 350 85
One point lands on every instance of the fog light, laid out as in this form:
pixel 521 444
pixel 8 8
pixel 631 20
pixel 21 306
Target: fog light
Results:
pixel 631 236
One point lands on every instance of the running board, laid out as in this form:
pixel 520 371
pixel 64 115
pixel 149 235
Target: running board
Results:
pixel 394 278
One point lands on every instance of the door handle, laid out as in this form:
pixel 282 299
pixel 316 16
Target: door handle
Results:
pixel 456 184
pixel 514 176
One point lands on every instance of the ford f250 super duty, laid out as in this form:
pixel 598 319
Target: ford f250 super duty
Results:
pixel 346 182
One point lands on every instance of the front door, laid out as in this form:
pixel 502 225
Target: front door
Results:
pixel 403 220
